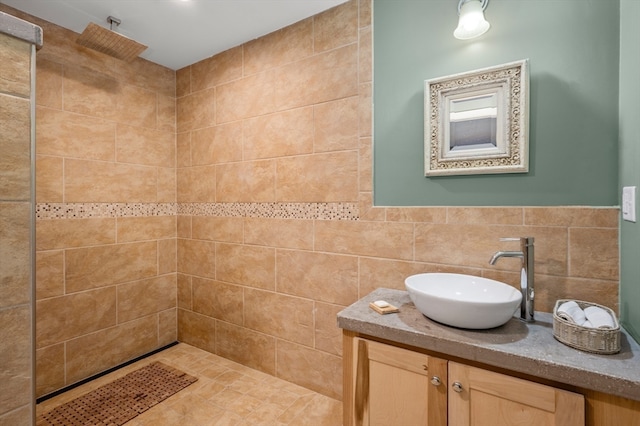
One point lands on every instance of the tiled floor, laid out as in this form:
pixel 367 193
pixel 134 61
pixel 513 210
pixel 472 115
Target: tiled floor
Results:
pixel 226 393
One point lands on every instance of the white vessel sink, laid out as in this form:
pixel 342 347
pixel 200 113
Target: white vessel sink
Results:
pixel 463 301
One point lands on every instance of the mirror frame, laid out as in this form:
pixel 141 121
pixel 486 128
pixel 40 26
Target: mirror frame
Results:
pixel 509 152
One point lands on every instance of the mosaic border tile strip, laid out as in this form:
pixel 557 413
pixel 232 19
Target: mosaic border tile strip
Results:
pixel 309 211
pixel 103 210
pixel 322 211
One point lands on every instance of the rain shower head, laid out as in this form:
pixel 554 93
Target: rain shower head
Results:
pixel 109 42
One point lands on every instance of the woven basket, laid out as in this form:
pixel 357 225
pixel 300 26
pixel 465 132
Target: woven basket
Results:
pixel 595 340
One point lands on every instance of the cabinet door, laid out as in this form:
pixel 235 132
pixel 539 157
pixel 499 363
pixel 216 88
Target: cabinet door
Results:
pixel 394 386
pixel 480 397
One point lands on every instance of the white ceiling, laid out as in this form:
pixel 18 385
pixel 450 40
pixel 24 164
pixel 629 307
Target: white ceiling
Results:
pixel 178 32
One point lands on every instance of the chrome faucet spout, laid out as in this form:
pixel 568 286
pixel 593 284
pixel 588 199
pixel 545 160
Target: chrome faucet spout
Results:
pixel 526 274
pixel 500 254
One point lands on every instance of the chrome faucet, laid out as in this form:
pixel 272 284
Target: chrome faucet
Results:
pixel 526 274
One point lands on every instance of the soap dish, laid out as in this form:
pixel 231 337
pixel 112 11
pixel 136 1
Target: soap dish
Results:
pixel 383 308
pixel 594 340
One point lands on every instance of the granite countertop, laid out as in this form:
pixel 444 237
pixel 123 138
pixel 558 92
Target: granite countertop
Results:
pixel 528 348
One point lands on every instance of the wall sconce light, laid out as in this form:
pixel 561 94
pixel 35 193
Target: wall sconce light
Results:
pixel 471 23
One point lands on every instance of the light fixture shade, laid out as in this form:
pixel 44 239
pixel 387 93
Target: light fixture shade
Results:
pixel 471 23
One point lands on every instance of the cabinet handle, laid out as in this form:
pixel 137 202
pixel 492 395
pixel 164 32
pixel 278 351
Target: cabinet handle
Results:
pixel 457 386
pixel 435 381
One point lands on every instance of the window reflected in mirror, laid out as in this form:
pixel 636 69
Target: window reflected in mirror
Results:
pixel 472 123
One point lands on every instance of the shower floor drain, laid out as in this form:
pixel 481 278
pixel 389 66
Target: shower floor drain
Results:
pixel 121 400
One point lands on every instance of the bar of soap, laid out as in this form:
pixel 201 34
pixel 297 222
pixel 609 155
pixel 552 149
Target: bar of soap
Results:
pixel 382 307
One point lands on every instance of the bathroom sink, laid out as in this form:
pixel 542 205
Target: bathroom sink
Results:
pixel 463 301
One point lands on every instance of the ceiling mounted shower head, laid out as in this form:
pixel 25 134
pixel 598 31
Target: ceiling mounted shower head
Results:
pixel 111 20
pixel 109 42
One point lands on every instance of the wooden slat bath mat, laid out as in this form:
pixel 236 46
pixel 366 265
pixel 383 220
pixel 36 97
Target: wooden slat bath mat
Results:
pixel 121 400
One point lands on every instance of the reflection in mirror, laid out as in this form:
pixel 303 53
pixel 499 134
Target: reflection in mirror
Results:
pixel 472 122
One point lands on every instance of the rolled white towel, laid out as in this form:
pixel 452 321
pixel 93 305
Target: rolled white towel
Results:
pixel 571 312
pixel 599 318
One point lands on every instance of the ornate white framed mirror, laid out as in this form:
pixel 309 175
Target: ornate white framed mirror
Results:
pixel 477 122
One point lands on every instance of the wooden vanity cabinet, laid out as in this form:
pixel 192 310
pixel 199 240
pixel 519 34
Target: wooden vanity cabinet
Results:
pixel 389 385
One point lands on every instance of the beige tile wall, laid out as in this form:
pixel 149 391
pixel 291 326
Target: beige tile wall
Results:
pixel 106 285
pixel 16 372
pixel 287 119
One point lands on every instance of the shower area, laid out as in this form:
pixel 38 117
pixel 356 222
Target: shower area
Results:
pixel 158 216
pixel 106 207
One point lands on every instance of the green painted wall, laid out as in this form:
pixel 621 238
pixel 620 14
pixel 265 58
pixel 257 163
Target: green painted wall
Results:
pixel 573 48
pixel 630 162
